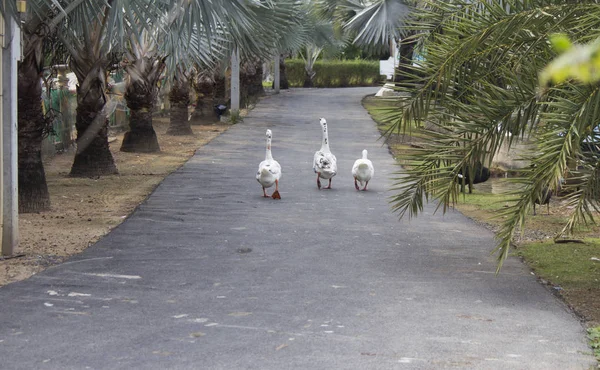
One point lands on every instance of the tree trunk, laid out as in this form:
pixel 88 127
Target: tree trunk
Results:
pixel 406 51
pixel 140 96
pixel 33 189
pixel 283 81
pixel 93 157
pixel 180 99
pixel 204 86
pixel 251 78
pixel 141 137
pixel 308 79
pixel 221 90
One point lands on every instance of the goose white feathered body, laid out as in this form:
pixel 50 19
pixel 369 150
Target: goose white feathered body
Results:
pixel 269 170
pixel 324 162
pixel 363 171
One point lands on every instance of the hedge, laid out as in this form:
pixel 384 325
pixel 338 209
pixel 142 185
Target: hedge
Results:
pixel 335 73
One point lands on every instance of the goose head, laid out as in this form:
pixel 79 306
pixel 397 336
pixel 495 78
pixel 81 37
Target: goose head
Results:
pixel 269 136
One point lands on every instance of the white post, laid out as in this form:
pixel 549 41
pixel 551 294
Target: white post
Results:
pixel 276 79
pixel 11 53
pixel 235 81
pixel 1 141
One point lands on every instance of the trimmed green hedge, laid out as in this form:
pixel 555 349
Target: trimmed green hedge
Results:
pixel 335 73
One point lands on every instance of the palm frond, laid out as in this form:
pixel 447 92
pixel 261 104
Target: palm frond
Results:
pixel 379 23
pixel 476 90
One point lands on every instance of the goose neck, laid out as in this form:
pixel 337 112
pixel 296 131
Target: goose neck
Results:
pixel 268 154
pixel 325 140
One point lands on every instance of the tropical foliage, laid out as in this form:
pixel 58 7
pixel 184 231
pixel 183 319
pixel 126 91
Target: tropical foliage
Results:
pixel 375 25
pixel 97 34
pixel 476 89
pixel 40 46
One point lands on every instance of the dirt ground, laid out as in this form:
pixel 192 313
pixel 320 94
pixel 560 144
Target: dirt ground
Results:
pixel 83 210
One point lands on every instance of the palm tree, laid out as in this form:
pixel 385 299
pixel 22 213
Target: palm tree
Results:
pixel 144 69
pixel 210 85
pixel 477 89
pixel 282 28
pixel 176 45
pixel 315 35
pixel 232 23
pixel 254 28
pixel 39 23
pixel 179 96
pixel 379 23
pixel 33 190
pixel 93 35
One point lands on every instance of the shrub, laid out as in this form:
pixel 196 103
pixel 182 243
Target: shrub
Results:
pixel 335 73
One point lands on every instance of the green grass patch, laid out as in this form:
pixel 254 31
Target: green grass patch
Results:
pixel 594 337
pixel 384 112
pixel 569 265
pixel 486 201
pixel 483 206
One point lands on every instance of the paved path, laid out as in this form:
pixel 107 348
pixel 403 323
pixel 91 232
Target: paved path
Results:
pixel 207 274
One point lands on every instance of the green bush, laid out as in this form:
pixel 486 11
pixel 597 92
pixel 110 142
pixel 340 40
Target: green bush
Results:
pixel 335 73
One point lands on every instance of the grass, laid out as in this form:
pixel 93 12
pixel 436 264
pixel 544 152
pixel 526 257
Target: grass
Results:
pixel 568 265
pixel 383 110
pixel 594 337
pixel 484 206
pixel 486 201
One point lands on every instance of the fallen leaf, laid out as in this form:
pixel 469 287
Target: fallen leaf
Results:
pixel 240 314
pixel 281 347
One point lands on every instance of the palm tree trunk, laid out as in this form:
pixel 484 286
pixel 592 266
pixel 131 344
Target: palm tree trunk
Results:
pixel 205 90
pixel 33 189
pixel 93 157
pixel 283 80
pixel 220 93
pixel 308 78
pixel 141 137
pixel 180 99
pixel 251 78
pixel 406 51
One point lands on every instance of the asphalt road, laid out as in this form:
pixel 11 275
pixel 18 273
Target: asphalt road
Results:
pixel 208 274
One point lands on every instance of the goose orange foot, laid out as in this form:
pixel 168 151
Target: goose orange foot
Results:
pixel 276 192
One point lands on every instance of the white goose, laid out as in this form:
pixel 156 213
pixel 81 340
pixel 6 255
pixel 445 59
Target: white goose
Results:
pixel 325 163
pixel 362 171
pixel 269 171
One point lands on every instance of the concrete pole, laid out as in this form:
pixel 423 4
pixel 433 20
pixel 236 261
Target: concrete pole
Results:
pixel 235 81
pixel 276 80
pixel 11 53
pixel 1 141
